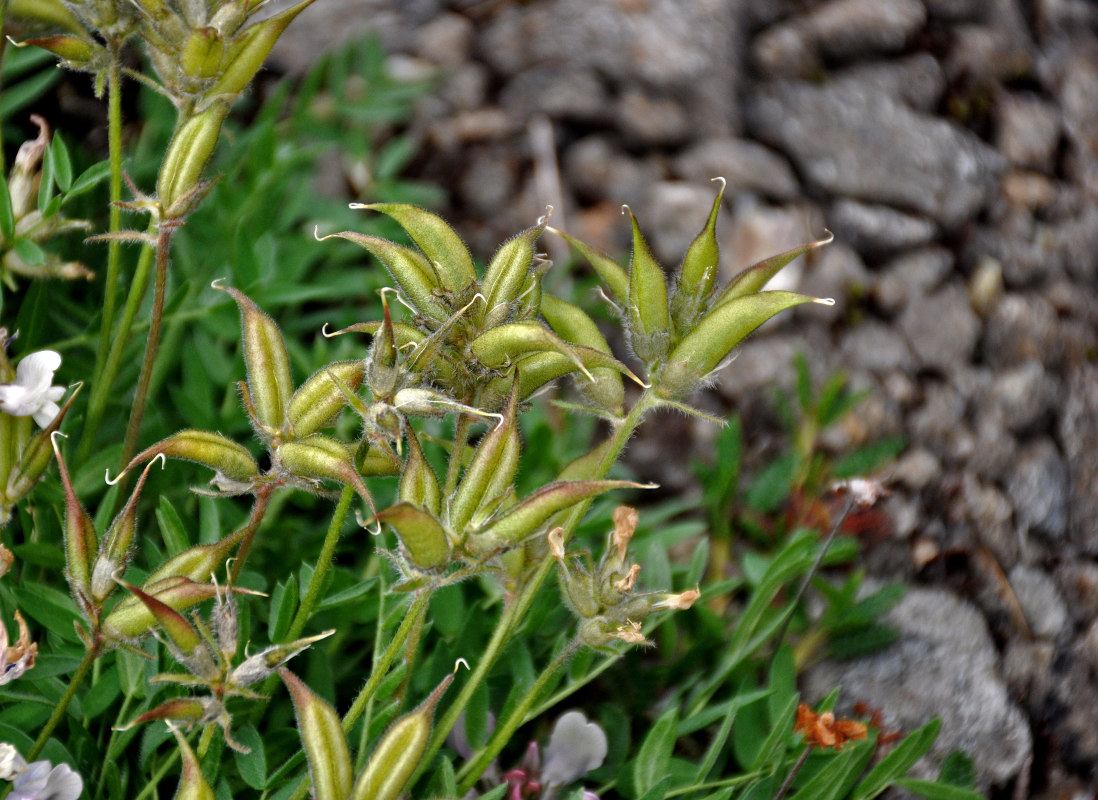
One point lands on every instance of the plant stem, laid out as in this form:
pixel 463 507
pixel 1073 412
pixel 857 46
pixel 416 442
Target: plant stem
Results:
pixel 518 607
pixel 102 385
pixel 162 770
pixel 323 564
pixel 3 49
pixel 792 774
pixel 63 704
pixel 152 344
pixel 204 742
pixel 259 510
pixel 470 773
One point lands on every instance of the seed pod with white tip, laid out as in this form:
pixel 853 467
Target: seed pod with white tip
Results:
pixel 326 748
pixel 317 401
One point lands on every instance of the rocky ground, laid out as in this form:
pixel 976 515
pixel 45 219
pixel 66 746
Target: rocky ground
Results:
pixel 952 146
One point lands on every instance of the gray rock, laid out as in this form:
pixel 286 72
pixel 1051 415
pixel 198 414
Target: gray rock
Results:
pixel 1041 602
pixel 983 55
pixel 837 29
pixel 745 164
pixel 996 450
pixel 910 276
pixel 675 212
pixel 935 423
pixel 488 181
pixel 664 44
pixel 956 10
pixel 445 40
pixel 836 272
pixel 990 514
pixel 1078 432
pixel 917 79
pixel 1075 81
pixel 566 94
pixel 1038 488
pixel 867 145
pixel 597 170
pixel 1065 16
pixel 1078 583
pixel 647 121
pixel 876 347
pixel 916 468
pixel 876 230
pixel 466 87
pixel 944 664
pixel 942 328
pixel 1024 395
pixel 1028 130
pixel 1021 328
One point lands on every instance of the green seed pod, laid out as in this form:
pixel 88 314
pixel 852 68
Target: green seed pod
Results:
pixel 37 452
pixel 267 361
pixel 649 319
pixel 52 13
pixel 190 149
pixel 422 536
pixel 325 745
pixel 526 517
pixel 202 53
pixel 615 278
pixel 537 369
pixel 245 54
pixel 507 272
pixel 412 272
pixel 501 345
pixel 74 50
pixel 258 667
pixel 81 542
pixel 320 399
pixel 696 277
pixel 398 754
pixel 130 619
pixel 186 642
pixel 192 783
pixel 197 563
pixel 117 545
pixel 438 241
pixel 320 457
pixel 187 710
pixel 419 484
pixel 703 349
pixel 204 447
pixel 573 325
pixel 755 277
pixel 488 459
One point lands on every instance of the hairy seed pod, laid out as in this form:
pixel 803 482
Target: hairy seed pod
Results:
pixel 609 270
pixel 573 325
pixel 649 317
pixel 74 50
pixel 36 455
pixel 487 460
pixel 319 399
pixel 320 457
pixel 197 563
pixel 245 55
pixel 419 484
pixel 423 537
pixel 204 447
pixel 130 619
pixel 52 13
pixel 268 363
pixel 502 344
pixel 711 341
pixel 506 273
pixel 81 542
pixel 694 283
pixel 202 53
pixel 192 783
pixel 190 149
pixel 326 748
pixel 755 277
pixel 437 240
pixel 398 754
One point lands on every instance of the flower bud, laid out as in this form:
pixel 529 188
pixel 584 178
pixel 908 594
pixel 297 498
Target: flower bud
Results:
pixel 326 748
pixel 81 541
pixel 190 149
pixel 320 398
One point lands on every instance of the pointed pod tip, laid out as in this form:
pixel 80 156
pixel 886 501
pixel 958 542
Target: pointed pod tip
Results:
pixel 724 183
pixel 824 301
pixel 219 284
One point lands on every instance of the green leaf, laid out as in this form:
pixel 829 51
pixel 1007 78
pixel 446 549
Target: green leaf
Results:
pixel 20 95
pixel 89 179
pixel 51 608
pixel 772 486
pixel 283 606
pixel 781 726
pixel 30 252
pixel 58 154
pixel 833 780
pixel 7 216
pixel 476 717
pixel 101 694
pixel 252 766
pixel 175 535
pixel 958 770
pixel 898 762
pixel 650 767
pixel 783 683
pixel 938 791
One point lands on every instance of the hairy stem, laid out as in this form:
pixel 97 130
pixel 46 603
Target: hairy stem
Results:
pixel 323 564
pixel 63 704
pixel 470 773
pixel 259 510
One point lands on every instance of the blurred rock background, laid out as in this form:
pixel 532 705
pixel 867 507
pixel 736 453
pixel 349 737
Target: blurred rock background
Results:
pixel 952 146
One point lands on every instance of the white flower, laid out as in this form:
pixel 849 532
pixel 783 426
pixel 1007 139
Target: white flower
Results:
pixel 32 394
pixel 576 747
pixel 11 763
pixel 41 782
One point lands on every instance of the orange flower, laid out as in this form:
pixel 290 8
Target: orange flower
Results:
pixel 823 730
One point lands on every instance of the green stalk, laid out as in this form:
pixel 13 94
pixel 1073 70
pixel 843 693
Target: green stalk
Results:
pixel 101 388
pixel 368 714
pixel 162 770
pixel 63 704
pixel 323 564
pixel 152 344
pixel 470 773
pixel 123 713
pixel 516 610
pixel 3 49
